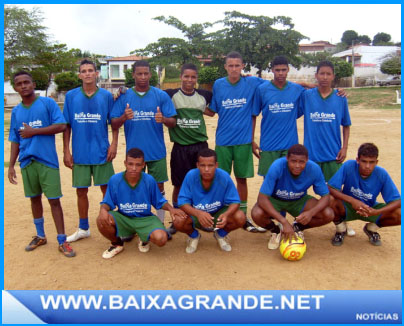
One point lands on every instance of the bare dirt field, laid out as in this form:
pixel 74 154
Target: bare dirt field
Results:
pixel 357 265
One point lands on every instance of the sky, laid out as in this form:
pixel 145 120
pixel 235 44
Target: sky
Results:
pixel 118 29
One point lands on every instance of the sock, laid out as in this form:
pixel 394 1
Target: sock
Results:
pixel 372 227
pixel 83 223
pixel 175 204
pixel 39 227
pixel 222 233
pixel 194 234
pixel 61 238
pixel 243 206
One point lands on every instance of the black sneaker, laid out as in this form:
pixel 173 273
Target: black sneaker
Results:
pixel 248 226
pixel 338 239
pixel 374 237
pixel 35 243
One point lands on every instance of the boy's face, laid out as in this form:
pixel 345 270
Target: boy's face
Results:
pixel 280 73
pixel 207 167
pixel 325 76
pixel 134 166
pixel 234 66
pixel 189 79
pixel 24 85
pixel 142 77
pixel 88 74
pixel 296 164
pixel 366 165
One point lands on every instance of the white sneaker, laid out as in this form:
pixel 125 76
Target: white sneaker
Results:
pixel 143 246
pixel 223 242
pixel 112 251
pixel 79 234
pixel 192 244
pixel 274 241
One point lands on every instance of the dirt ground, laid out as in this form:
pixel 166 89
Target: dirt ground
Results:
pixel 357 265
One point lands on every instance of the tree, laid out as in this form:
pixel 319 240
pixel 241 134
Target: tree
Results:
pixel 391 66
pixel 259 39
pixel 24 37
pixel 382 39
pixel 66 81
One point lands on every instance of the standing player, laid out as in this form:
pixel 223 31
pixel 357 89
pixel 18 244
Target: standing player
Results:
pixel 133 192
pixel 355 188
pixel 34 123
pixel 285 189
pixel 189 135
pixel 143 110
pixel 233 102
pixel 87 111
pixel 324 114
pixel 210 199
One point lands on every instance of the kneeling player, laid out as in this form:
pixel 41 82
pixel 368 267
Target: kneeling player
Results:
pixel 285 189
pixel 209 197
pixel 133 192
pixel 361 182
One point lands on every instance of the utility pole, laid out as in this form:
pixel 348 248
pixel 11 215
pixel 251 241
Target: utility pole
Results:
pixel 353 64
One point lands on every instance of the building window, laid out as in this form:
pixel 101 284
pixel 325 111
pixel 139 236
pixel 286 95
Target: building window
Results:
pixel 114 71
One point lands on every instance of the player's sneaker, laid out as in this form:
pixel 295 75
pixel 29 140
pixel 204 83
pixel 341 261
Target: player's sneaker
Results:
pixel 248 226
pixel 192 244
pixel 222 241
pixel 79 234
pixel 274 240
pixel 143 246
pixel 297 230
pixel 112 251
pixel 66 250
pixel 338 239
pixel 35 243
pixel 374 237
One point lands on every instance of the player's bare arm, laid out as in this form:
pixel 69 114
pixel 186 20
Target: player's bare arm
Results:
pixel 15 150
pixel 306 216
pixel 345 138
pixel 29 132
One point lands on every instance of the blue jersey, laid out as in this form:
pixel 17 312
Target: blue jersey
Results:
pixel 281 184
pixel 43 112
pixel 280 109
pixel 323 118
pixel 89 118
pixel 221 193
pixel 367 189
pixel 143 131
pixel 234 105
pixel 133 201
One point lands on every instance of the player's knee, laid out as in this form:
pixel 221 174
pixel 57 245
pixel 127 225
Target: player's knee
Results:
pixel 159 237
pixel 81 192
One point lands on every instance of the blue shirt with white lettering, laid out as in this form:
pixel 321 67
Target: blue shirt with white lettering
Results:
pixel 43 112
pixel 323 118
pixel 143 131
pixel 222 192
pixel 88 117
pixel 367 189
pixel 133 201
pixel 279 183
pixel 280 109
pixel 234 105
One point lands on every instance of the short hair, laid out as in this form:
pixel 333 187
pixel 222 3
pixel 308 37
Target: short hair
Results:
pixel 298 149
pixel 87 62
pixel 135 153
pixel 140 63
pixel 233 55
pixel 325 63
pixel 279 60
pixel 207 152
pixel 189 66
pixel 21 73
pixel 368 150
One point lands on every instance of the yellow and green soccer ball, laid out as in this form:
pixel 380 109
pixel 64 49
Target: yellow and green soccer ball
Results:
pixel 293 250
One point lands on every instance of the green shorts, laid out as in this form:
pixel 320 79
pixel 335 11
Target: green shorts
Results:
pixel 329 169
pixel 242 157
pixel 267 158
pixel 158 170
pixel 101 173
pixel 198 225
pixel 293 207
pixel 39 178
pixel 351 214
pixel 143 226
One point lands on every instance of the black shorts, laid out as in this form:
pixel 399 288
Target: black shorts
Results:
pixel 183 159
